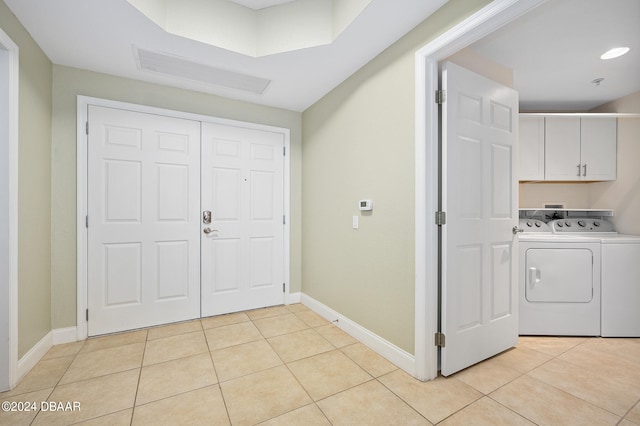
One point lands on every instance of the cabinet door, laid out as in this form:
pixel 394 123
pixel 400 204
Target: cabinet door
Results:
pixel 562 148
pixel 598 148
pixel 531 148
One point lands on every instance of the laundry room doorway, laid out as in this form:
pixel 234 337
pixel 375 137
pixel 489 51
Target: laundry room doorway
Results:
pixel 180 216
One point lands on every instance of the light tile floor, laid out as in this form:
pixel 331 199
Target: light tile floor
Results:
pixel 288 366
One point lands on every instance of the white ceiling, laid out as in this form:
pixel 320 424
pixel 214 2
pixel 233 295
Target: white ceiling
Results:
pixel 102 36
pixel 555 50
pixel 260 4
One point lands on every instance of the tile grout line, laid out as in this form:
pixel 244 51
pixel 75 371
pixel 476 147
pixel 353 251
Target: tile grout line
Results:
pixel 215 370
pixel 556 357
pixel 53 389
pixel 400 397
pixel 510 409
pixel 294 377
pixel 135 397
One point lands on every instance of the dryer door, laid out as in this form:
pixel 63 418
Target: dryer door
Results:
pixel 559 275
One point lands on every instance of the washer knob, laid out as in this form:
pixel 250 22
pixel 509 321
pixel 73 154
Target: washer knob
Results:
pixel 596 223
pixel 560 225
pixel 538 225
pixel 582 223
pixel 567 223
pixel 529 224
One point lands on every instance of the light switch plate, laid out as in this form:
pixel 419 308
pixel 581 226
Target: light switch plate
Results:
pixel 355 222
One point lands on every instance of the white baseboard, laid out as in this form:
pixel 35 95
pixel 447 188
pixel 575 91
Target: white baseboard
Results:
pixel 391 352
pixel 35 354
pixel 293 298
pixel 65 335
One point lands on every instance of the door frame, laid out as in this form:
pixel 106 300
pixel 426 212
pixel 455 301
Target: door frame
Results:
pixel 9 140
pixel 493 16
pixel 83 103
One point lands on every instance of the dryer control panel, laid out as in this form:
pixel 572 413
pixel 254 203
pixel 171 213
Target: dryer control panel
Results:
pixel 578 225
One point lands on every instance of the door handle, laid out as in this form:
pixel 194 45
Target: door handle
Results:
pixel 534 276
pixel 516 230
pixel 208 230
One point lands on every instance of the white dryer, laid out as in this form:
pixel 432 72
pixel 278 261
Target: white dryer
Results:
pixel 560 277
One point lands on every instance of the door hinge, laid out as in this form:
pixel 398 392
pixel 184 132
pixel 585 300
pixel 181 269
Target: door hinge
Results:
pixel 441 218
pixel 86 221
pixel 441 97
pixel 87 315
pixel 283 289
pixel 439 340
pixel 86 128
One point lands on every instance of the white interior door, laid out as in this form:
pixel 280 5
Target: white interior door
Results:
pixel 243 188
pixel 479 195
pixel 143 220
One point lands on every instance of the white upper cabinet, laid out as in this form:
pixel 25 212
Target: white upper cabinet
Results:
pixel 561 148
pixel 531 148
pixel 598 138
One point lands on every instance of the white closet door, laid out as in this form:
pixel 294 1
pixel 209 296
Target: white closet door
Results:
pixel 479 194
pixel 143 221
pixel 243 188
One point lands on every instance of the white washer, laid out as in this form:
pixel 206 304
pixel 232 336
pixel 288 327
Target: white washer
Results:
pixel 560 277
pixel 620 286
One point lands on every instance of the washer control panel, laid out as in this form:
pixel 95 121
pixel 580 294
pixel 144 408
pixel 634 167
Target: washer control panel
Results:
pixel 533 225
pixel 584 225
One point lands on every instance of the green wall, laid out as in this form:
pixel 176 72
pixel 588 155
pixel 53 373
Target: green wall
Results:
pixel 358 142
pixel 34 185
pixel 68 83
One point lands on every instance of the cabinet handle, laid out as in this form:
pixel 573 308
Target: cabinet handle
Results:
pixel 584 170
pixel 578 169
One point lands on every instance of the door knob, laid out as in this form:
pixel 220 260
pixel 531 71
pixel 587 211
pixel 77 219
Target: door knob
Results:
pixel 208 230
pixel 516 230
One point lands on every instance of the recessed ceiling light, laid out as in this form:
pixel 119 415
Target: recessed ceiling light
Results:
pixel 614 53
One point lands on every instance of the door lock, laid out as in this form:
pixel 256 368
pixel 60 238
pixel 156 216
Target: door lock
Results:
pixel 208 230
pixel 206 216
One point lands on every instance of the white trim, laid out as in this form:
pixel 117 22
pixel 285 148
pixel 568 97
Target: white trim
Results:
pixel 12 137
pixel 581 114
pixel 39 350
pixel 35 354
pixel 287 212
pixel 391 352
pixel 65 335
pixel 293 298
pixel 485 21
pixel 83 103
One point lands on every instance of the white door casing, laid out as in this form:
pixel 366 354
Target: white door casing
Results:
pixel 143 220
pixel 479 195
pixel 9 87
pixel 84 103
pixel 243 188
